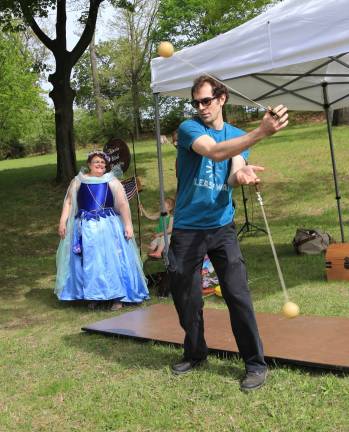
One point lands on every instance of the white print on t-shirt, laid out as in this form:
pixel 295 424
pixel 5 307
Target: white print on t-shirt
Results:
pixel 199 182
pixel 209 169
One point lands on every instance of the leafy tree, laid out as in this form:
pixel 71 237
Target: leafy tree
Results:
pixel 95 80
pixel 23 111
pixel 123 68
pixel 39 53
pixel 110 87
pixel 82 82
pixel 114 96
pixel 133 54
pixel 11 14
pixel 188 22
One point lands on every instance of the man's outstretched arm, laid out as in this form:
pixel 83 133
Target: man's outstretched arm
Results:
pixel 270 124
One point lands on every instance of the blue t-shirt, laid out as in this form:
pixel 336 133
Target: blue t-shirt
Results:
pixel 204 198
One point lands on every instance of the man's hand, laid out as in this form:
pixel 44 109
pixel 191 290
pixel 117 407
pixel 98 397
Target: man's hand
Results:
pixel 247 175
pixel 274 120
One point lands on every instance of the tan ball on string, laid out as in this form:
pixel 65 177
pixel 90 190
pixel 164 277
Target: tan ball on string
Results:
pixel 165 49
pixel 290 309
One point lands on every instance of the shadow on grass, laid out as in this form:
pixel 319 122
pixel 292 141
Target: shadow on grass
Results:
pixel 34 308
pixel 135 353
pixel 29 217
pixel 46 297
pixel 153 355
pixel 314 371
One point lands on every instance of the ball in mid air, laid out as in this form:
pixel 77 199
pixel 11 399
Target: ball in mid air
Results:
pixel 290 309
pixel 165 49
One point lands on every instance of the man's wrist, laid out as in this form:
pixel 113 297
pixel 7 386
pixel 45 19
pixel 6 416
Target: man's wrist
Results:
pixel 258 134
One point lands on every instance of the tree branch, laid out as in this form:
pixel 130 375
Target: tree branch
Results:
pixel 87 34
pixel 146 51
pixel 29 18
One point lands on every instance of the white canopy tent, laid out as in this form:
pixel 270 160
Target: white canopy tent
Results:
pixel 296 53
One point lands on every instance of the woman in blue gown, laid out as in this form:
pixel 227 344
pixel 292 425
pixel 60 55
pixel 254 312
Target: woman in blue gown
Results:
pixel 97 258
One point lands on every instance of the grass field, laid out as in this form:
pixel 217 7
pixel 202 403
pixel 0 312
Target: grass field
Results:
pixel 53 377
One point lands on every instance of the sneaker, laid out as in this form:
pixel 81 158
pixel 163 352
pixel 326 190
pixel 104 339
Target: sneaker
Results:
pixel 186 366
pixel 253 380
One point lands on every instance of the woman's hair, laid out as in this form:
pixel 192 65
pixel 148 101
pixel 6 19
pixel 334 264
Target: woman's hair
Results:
pixel 218 88
pixel 100 154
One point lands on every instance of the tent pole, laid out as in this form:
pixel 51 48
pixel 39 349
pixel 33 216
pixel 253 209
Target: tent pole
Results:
pixel 161 177
pixel 334 169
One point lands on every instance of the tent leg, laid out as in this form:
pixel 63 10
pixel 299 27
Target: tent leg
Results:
pixel 334 169
pixel 161 177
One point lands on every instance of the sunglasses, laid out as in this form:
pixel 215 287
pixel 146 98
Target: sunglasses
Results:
pixel 205 102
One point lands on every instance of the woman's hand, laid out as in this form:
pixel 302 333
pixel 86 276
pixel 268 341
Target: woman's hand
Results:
pixel 62 230
pixel 128 232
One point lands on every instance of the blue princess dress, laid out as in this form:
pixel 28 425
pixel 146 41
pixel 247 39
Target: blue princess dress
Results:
pixel 101 263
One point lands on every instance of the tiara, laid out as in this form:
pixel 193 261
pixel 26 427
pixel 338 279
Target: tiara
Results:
pixel 99 152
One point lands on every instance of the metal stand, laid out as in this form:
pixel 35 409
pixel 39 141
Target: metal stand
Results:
pixel 247 227
pixel 333 159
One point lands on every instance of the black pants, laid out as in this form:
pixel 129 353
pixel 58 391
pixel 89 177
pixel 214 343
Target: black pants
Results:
pixel 187 251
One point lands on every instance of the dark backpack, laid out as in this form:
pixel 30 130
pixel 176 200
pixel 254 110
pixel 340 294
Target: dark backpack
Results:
pixel 160 282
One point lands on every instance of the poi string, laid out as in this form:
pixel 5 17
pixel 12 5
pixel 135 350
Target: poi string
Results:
pixel 230 88
pixel 282 282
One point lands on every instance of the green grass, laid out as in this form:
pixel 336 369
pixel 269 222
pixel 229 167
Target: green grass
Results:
pixel 53 377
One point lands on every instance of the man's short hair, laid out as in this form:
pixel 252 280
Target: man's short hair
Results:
pixel 218 89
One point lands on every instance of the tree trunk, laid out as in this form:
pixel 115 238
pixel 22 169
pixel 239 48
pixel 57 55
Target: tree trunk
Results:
pixel 340 117
pixel 62 94
pixel 63 97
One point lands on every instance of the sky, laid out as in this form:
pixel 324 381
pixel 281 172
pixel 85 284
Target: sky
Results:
pixel 104 29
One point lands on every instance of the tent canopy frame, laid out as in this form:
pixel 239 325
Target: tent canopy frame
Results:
pixel 296 53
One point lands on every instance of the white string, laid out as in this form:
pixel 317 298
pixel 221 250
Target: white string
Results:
pixel 283 286
pixel 226 85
